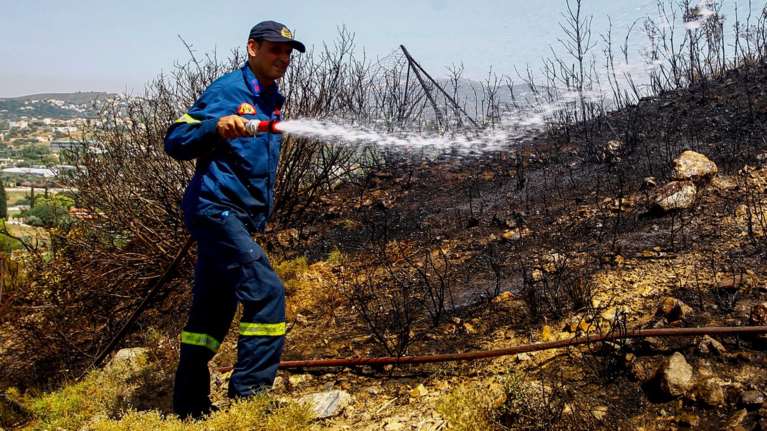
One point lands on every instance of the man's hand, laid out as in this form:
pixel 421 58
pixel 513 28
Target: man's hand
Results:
pixel 232 126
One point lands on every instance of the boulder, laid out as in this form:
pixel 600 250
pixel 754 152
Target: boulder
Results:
pixel 676 376
pixel 611 152
pixel 676 195
pixel 711 392
pixel 327 404
pixel 131 358
pixel 759 314
pixel 709 345
pixel 693 166
pixel 673 309
pixel 735 422
pixel 751 399
pixel 296 380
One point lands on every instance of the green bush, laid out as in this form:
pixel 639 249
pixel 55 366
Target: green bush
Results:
pixel 8 244
pixel 49 211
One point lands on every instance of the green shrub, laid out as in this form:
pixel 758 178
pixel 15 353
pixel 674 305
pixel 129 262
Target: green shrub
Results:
pixel 49 211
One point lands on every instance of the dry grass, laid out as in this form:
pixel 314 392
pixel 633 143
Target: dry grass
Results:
pixel 106 400
pixel 474 406
pixel 308 286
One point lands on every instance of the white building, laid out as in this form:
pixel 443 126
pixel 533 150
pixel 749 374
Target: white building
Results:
pixel 38 172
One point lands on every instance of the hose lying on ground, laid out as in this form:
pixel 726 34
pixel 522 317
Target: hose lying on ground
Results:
pixel 484 354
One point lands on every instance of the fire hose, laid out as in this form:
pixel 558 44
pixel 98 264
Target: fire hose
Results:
pixel 523 348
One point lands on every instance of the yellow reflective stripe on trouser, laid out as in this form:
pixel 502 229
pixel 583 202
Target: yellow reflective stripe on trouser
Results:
pixel 188 119
pixel 262 329
pixel 203 340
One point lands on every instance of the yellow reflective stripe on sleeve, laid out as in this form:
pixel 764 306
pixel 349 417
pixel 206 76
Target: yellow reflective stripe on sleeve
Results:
pixel 188 119
pixel 262 329
pixel 202 340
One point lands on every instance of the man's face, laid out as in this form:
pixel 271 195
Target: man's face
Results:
pixel 269 60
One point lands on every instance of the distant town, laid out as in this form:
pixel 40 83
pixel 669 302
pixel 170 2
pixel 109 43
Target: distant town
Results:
pixel 39 135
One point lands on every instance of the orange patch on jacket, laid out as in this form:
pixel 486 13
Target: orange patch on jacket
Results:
pixel 246 109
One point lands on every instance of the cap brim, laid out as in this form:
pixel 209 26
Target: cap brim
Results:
pixel 298 46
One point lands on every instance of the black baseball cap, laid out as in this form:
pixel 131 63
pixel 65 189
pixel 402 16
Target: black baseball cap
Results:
pixel 275 32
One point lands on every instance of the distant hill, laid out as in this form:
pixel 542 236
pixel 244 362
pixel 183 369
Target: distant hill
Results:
pixel 76 98
pixel 53 105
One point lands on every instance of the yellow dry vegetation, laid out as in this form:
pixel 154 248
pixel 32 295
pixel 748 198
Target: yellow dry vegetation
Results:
pixel 306 285
pixel 255 414
pixel 103 401
pixel 476 405
pixel 506 402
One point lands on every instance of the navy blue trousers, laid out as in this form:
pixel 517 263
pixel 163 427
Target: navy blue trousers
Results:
pixel 231 268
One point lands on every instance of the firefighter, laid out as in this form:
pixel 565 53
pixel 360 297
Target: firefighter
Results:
pixel 229 198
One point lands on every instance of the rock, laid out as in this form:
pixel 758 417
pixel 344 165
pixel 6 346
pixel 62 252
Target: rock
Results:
pixel 419 391
pixel 649 183
pixel 676 376
pixel 521 357
pixel 503 297
pixel 515 234
pixel 327 404
pixel 298 379
pixel 278 384
pixel 751 399
pixel 693 166
pixel 547 333
pixel 758 315
pixel 736 420
pixel 287 237
pixel 688 420
pixel 301 319
pixel 394 424
pixel 612 150
pixel 711 392
pixel 673 309
pixel 724 183
pixel 575 325
pixel 730 281
pixel 599 412
pixel 470 328
pixel 709 345
pixel 133 358
pixel 675 195
pixel 641 369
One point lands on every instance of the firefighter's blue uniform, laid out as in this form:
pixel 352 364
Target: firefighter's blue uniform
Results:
pixel 229 198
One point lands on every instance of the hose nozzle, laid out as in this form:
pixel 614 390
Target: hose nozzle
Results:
pixel 257 127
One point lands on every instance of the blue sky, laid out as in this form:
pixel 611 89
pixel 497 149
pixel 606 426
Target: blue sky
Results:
pixel 106 45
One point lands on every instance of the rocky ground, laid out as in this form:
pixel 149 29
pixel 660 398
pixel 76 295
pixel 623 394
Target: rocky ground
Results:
pixel 718 279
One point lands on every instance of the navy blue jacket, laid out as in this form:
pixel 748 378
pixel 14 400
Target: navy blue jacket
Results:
pixel 235 175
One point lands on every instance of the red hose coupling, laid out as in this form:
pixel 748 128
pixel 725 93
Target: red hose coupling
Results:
pixel 265 126
pixel 268 126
